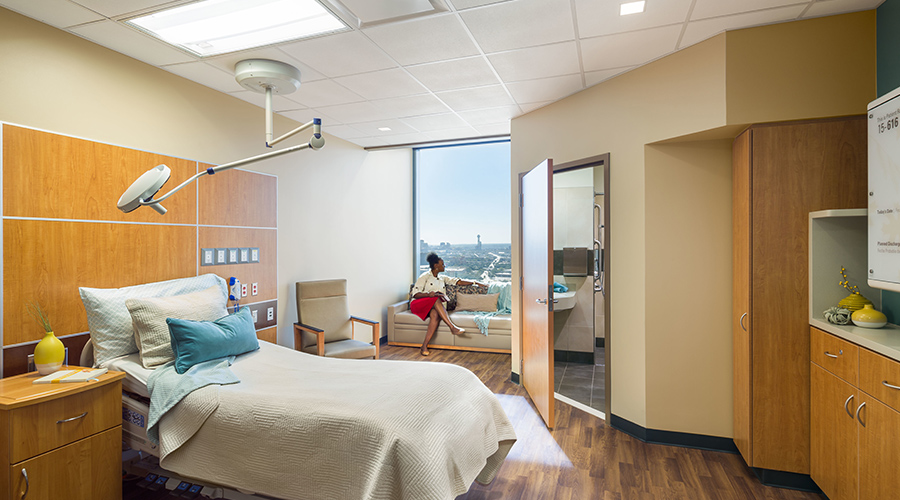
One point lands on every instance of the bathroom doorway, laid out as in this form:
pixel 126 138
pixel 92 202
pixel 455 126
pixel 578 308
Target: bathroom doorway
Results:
pixel 581 284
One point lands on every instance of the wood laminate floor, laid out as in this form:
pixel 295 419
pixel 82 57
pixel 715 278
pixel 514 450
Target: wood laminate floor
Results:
pixel 583 458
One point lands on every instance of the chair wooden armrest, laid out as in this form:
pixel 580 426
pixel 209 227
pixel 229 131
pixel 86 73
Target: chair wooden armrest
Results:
pixel 376 331
pixel 320 337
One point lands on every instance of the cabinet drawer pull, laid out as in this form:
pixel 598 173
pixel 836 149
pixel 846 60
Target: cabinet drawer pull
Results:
pixel 742 321
pixel 834 355
pixel 846 403
pixel 71 419
pixel 27 486
pixel 884 383
pixel 857 414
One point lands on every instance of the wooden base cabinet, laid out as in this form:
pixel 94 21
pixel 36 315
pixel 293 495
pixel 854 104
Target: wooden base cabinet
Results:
pixel 854 437
pixel 61 440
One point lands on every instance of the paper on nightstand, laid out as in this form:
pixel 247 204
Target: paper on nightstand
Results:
pixel 70 376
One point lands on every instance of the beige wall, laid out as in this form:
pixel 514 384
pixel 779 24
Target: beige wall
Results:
pixel 692 92
pixel 60 83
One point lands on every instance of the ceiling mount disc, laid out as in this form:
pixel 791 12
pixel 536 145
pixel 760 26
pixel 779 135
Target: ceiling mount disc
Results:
pixel 259 74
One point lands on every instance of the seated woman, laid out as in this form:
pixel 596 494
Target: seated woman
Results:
pixel 428 297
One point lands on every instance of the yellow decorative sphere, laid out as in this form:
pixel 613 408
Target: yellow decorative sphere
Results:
pixel 854 302
pixel 868 317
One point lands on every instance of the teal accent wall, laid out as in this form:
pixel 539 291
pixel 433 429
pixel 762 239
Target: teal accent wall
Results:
pixel 887 57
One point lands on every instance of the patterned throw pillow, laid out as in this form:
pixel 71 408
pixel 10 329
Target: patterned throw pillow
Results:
pixel 458 289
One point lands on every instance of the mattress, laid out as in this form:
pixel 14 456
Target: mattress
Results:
pixel 135 374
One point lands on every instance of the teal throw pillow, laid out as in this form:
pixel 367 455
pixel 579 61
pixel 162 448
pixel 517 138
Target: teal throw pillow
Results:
pixel 198 341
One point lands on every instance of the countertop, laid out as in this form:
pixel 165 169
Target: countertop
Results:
pixel 884 340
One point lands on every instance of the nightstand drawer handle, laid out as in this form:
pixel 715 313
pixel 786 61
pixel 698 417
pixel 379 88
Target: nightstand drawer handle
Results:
pixel 71 419
pixel 884 383
pixel 834 355
pixel 26 484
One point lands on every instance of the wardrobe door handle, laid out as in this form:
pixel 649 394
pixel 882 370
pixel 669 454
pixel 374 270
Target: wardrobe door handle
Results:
pixel 742 322
pixel 884 383
pixel 857 414
pixel 27 486
pixel 846 403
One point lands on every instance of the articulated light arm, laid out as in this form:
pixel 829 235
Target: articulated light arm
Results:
pixel 141 192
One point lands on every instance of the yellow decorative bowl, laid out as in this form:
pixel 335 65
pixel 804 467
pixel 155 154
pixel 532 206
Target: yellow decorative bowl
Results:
pixel 868 317
pixel 854 302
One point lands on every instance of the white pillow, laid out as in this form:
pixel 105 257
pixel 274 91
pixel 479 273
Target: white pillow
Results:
pixel 148 317
pixel 108 318
pixel 477 302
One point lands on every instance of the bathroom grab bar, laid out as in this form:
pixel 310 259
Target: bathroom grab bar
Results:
pixel 598 268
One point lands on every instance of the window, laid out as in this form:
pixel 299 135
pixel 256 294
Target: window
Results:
pixel 462 206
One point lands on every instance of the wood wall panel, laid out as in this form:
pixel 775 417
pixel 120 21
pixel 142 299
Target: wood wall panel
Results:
pixel 54 176
pixel 269 335
pixel 224 201
pixel 46 261
pixel 264 272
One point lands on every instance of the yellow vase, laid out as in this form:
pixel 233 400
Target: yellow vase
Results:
pixel 868 317
pixel 49 354
pixel 854 302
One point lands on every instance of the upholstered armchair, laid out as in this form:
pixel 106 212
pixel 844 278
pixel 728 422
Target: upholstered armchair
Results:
pixel 325 327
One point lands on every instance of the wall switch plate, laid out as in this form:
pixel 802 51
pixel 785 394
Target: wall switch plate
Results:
pixel 270 314
pixel 255 317
pixel 243 289
pixel 244 256
pixel 208 257
pixel 254 289
pixel 232 255
pixel 221 256
pixel 31 366
pixel 254 255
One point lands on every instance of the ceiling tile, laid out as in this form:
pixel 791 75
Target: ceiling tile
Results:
pixel 307 115
pixel 383 84
pixel 436 38
pixel 205 74
pixel 830 7
pixel 697 31
pixel 358 112
pixel 526 23
pixel 602 18
pixel 406 138
pixel 488 116
pixel 345 132
pixel 131 43
pixel 431 123
pixel 536 62
pixel 323 93
pixel 455 74
pixel 452 134
pixel 370 142
pixel 340 54
pixel 395 126
pixel 705 9
pixel 59 13
pixel 279 103
pixel 467 4
pixel 592 78
pixel 531 106
pixel 113 8
pixel 400 107
pixel 370 12
pixel 493 129
pixel 227 62
pixel 481 97
pixel 628 49
pixel 546 89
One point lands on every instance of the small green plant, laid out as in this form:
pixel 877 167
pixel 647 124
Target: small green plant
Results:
pixel 34 309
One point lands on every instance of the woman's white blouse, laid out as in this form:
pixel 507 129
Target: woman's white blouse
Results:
pixel 428 283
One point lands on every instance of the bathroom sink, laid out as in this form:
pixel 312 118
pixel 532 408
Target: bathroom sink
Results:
pixel 566 300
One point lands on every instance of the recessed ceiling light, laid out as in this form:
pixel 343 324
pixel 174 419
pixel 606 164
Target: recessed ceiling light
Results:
pixel 384 129
pixel 212 27
pixel 631 8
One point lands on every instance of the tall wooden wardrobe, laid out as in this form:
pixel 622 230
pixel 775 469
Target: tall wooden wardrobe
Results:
pixel 782 172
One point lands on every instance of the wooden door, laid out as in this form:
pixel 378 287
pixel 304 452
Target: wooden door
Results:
pixel 879 454
pixel 833 435
pixel 740 327
pixel 537 289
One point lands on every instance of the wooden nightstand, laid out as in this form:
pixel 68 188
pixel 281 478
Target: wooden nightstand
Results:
pixel 67 439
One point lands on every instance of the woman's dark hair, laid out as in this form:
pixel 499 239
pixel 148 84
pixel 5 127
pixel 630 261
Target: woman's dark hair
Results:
pixel 432 259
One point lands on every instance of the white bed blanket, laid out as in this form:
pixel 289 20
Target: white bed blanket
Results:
pixel 306 427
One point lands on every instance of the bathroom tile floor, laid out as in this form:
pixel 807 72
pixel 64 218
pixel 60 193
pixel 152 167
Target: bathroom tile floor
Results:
pixel 584 383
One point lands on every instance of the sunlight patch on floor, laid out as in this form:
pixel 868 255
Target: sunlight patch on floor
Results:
pixel 534 443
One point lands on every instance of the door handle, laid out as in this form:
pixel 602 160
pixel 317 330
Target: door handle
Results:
pixel 742 322
pixel 857 414
pixel 541 301
pixel 847 403
pixel 27 486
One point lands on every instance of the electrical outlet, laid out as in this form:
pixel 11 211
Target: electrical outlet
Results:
pixel 270 314
pixel 253 313
pixel 243 289
pixel 31 366
pixel 254 288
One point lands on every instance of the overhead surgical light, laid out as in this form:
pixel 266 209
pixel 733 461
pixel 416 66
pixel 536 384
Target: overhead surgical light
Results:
pixel 258 75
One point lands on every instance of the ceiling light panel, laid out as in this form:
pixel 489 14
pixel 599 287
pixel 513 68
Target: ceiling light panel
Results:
pixel 131 43
pixel 629 8
pixel 602 18
pixel 212 27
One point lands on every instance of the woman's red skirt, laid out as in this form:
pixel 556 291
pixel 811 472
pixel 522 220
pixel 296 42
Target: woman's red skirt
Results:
pixel 421 307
